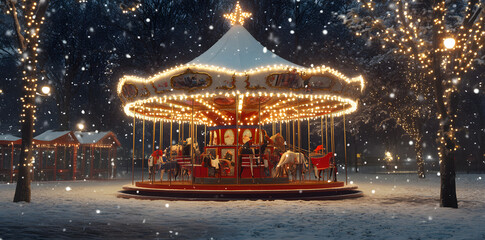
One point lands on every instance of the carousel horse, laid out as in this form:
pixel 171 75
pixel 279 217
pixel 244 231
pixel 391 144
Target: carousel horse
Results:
pixel 158 160
pixel 292 161
pixel 171 167
pixel 174 149
pixel 184 149
pixel 216 165
pixel 278 142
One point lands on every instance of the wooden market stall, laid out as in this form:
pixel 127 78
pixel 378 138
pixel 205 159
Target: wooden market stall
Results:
pixel 98 154
pixel 56 155
pixel 9 144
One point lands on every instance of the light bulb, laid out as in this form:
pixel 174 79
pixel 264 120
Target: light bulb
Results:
pixel 449 43
pixel 46 90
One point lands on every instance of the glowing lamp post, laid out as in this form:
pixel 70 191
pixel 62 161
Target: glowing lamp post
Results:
pixel 80 126
pixel 449 43
pixel 45 90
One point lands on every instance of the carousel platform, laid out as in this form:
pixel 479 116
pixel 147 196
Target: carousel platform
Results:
pixel 304 190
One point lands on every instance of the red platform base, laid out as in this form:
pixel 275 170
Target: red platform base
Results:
pixel 306 190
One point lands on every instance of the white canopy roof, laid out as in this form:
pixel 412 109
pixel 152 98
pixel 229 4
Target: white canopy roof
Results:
pixel 238 50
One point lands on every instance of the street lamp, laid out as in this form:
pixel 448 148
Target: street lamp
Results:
pixel 449 43
pixel 80 126
pixel 45 90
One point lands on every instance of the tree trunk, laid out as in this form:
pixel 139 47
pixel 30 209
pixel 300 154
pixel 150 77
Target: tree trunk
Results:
pixel 447 149
pixel 418 147
pixel 446 136
pixel 447 170
pixel 29 89
pixel 22 191
pixel 446 142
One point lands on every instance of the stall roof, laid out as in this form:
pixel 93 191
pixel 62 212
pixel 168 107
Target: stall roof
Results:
pixel 87 138
pixel 8 139
pixel 238 50
pixel 56 137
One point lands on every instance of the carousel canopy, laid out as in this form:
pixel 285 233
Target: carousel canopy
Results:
pixel 239 74
pixel 239 51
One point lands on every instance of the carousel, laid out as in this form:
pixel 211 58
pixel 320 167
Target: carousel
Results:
pixel 246 105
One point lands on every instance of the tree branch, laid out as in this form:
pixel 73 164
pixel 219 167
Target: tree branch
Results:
pixel 18 29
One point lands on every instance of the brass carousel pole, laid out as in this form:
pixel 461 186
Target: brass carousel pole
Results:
pixel 326 134
pixel 326 143
pixel 345 151
pixel 153 150
pixel 205 135
pixel 281 129
pixel 299 137
pixel 287 125
pixel 133 161
pixel 182 136
pixel 160 145
pixel 180 131
pixel 309 151
pixel 294 136
pixel 170 148
pixel 332 139
pixel 237 141
pixel 273 128
pixel 160 142
pixel 261 139
pixel 143 151
pixel 191 133
pixel 321 131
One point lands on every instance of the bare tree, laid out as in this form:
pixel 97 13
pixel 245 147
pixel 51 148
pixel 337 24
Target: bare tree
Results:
pixel 28 17
pixel 441 39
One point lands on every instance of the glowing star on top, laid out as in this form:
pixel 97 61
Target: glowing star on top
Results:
pixel 238 16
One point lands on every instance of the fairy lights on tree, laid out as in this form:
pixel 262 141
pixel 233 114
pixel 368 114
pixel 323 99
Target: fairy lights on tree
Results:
pixel 440 40
pixel 127 6
pixel 28 16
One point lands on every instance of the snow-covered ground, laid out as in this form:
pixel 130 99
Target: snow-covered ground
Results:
pixel 398 206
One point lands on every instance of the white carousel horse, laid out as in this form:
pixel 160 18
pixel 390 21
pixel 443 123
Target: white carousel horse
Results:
pixel 291 160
